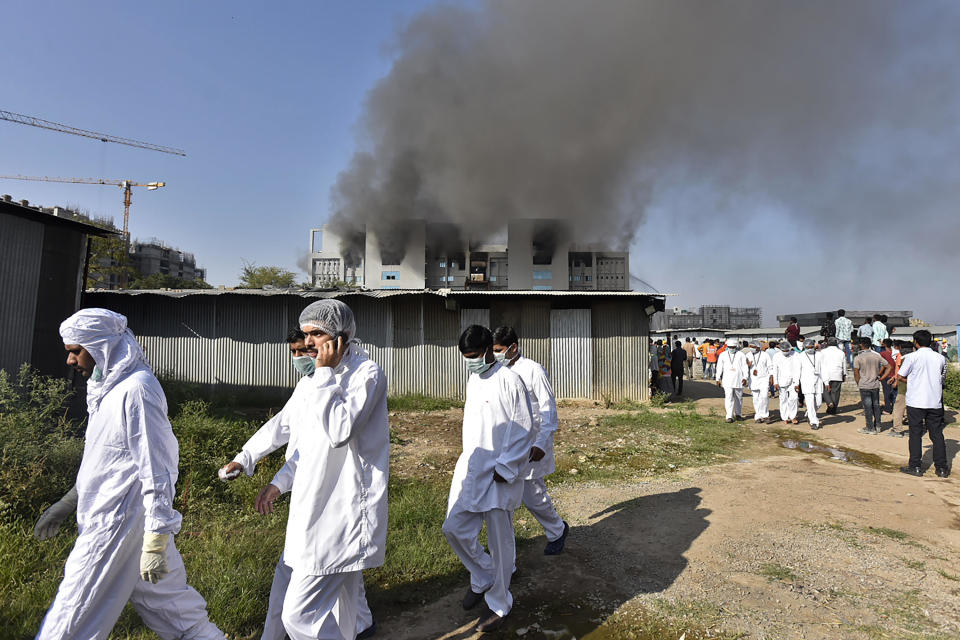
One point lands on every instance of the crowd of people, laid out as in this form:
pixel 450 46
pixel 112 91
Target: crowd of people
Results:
pixel 903 378
pixel 335 430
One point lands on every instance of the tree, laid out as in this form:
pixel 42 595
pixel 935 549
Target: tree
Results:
pixel 254 277
pixel 109 265
pixel 165 281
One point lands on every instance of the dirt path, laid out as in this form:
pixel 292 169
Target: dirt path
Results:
pixel 779 544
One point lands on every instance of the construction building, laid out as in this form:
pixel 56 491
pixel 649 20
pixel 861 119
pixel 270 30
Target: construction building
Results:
pixel 723 317
pixel 537 255
pixel 153 256
pixel 817 318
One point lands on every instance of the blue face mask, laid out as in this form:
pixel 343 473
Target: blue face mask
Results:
pixel 477 365
pixel 304 364
pixel 97 374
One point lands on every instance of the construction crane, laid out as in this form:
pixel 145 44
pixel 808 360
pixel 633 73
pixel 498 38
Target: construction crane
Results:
pixel 126 185
pixel 102 137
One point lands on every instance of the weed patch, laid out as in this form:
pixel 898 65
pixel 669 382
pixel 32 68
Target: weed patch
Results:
pixel 420 402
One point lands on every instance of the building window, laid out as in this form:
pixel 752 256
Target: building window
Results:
pixel 443 264
pixel 493 278
pixel 449 278
pixel 453 265
pixel 543 275
pixel 542 287
pixel 390 275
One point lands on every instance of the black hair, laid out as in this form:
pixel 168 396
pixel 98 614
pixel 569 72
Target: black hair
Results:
pixel 475 338
pixel 678 344
pixel 295 335
pixel 505 336
pixel 793 319
pixel 829 316
pixel 865 343
pixel 888 343
pixel 883 318
pixel 922 338
pixel 841 313
pixel 832 341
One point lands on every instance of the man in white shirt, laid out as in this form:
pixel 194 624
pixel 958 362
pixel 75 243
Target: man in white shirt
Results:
pixel 337 525
pixel 506 349
pixel 832 373
pixel 786 380
pixel 810 382
pixel 879 333
pixel 761 379
pixel 844 328
pixel 271 436
pixel 925 372
pixel 488 481
pixel 732 375
pixel 866 329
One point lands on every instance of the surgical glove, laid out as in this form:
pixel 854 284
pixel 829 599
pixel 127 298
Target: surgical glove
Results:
pixel 153 560
pixel 48 525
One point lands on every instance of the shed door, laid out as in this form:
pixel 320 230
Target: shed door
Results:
pixel 571 354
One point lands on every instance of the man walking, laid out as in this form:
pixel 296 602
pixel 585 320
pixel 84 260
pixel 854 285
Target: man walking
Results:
pixel 832 372
pixel 868 368
pixel 337 525
pixel 488 484
pixel 123 497
pixel 925 372
pixel 810 383
pixel 761 379
pixel 711 351
pixel 543 405
pixel 792 332
pixel 678 364
pixel 786 381
pixel 844 327
pixel 690 348
pixel 732 375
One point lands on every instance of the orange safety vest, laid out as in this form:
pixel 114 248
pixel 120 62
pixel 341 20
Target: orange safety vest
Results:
pixel 711 353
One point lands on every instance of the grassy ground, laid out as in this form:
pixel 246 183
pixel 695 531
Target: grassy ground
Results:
pixel 230 551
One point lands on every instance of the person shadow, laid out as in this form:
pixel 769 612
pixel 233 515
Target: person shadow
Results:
pixel 952 446
pixel 634 547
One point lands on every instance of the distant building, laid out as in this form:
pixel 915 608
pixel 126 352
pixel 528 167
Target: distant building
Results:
pixel 817 318
pixel 43 262
pixel 537 256
pixel 721 317
pixel 153 256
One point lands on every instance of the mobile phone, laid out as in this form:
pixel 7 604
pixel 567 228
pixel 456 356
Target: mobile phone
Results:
pixel 341 339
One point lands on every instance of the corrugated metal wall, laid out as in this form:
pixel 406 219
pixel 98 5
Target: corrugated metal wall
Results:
pixel 240 340
pixel 21 249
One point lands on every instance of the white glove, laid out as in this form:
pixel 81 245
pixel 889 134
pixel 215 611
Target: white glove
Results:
pixel 153 559
pixel 50 520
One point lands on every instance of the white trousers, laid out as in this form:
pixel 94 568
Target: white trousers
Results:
pixel 788 403
pixel 273 626
pixel 813 402
pixel 489 572
pixel 322 607
pixel 538 502
pixel 103 573
pixel 733 401
pixel 761 403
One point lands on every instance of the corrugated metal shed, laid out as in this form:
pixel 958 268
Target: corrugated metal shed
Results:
pixel 592 345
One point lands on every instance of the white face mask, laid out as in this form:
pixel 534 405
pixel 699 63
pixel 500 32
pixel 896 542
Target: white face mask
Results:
pixel 304 364
pixel 477 365
pixel 501 356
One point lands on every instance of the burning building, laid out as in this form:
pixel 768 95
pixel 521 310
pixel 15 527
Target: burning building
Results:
pixel 538 255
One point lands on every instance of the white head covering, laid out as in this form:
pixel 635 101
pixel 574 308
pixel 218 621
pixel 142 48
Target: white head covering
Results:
pixel 330 316
pixel 732 342
pixel 105 336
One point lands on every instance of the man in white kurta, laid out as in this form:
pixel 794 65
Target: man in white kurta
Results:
pixel 337 525
pixel 832 372
pixel 274 434
pixel 488 481
pixel 786 380
pixel 732 375
pixel 761 378
pixel 123 497
pixel 810 381
pixel 506 347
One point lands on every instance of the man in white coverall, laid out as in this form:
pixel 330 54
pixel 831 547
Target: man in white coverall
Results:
pixel 543 404
pixel 811 382
pixel 761 379
pixel 786 380
pixel 487 486
pixel 337 525
pixel 123 497
pixel 271 436
pixel 732 375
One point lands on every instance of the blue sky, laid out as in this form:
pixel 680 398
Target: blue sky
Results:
pixel 265 98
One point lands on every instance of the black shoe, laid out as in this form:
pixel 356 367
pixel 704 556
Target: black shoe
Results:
pixel 740 418
pixel 912 471
pixel 556 546
pixel 729 419
pixel 471 599
pixel 943 472
pixel 490 622
pixel 369 632
pixel 815 426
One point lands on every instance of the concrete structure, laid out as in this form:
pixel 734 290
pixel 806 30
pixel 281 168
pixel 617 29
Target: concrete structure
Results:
pixel 43 261
pixel 894 318
pixel 593 344
pixel 537 256
pixel 698 333
pixel 153 256
pixel 766 334
pixel 711 316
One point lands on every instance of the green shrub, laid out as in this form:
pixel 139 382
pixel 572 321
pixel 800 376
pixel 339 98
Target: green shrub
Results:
pixel 420 402
pixel 951 394
pixel 40 449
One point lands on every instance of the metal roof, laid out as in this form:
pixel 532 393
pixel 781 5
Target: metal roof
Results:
pixel 35 215
pixel 763 331
pixel 369 293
